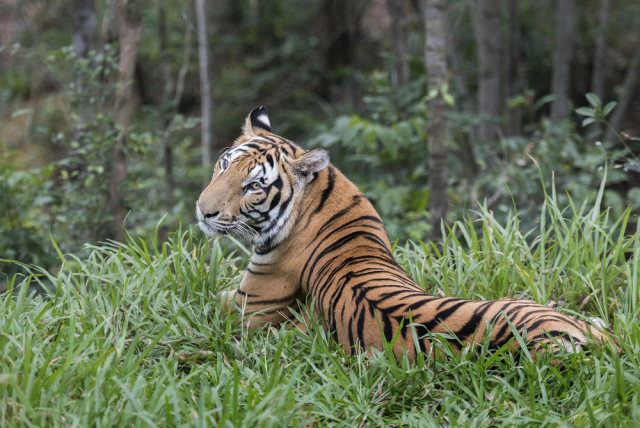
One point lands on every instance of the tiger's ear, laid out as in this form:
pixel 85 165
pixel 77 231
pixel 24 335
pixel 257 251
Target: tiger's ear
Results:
pixel 311 162
pixel 257 123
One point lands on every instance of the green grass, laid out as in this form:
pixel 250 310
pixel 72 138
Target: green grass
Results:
pixel 133 336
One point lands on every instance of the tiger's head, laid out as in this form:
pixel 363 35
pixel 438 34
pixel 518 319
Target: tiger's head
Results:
pixel 258 184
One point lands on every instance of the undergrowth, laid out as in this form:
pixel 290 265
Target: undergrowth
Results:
pixel 133 335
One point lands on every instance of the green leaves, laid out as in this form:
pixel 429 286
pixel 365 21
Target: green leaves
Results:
pixel 608 108
pixel 595 113
pixel 21 112
pixel 444 91
pixel 593 99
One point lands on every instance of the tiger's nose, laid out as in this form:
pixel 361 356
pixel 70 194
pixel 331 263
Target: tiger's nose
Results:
pixel 207 213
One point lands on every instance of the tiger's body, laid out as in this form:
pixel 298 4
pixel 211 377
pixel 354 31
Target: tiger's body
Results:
pixel 318 239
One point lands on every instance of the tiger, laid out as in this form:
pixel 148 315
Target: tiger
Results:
pixel 318 239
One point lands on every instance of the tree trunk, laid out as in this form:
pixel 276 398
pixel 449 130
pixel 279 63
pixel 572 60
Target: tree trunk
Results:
pixel 205 84
pixel 129 29
pixel 599 61
pixel 514 80
pixel 338 25
pixel 165 104
pixel 486 20
pixel 435 58
pixel 84 26
pixel 400 72
pixel 353 19
pixel 165 64
pixel 463 100
pixel 627 94
pixel 562 62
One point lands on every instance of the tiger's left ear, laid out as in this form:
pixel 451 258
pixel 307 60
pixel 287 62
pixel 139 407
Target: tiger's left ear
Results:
pixel 257 123
pixel 311 162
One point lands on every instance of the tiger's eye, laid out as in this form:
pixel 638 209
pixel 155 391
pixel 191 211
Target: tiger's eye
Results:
pixel 255 185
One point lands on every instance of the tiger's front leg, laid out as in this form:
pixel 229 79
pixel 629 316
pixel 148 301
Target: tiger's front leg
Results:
pixel 265 299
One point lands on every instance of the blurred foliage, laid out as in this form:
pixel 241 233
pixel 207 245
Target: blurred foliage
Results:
pixel 69 196
pixel 24 219
pixel 322 68
pixel 385 154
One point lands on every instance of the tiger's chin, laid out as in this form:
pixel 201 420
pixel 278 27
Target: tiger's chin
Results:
pixel 212 231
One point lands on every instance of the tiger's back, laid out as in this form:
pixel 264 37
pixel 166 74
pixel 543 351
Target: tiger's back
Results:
pixel 350 274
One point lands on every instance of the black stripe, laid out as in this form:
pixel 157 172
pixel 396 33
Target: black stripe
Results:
pixel 261 251
pixel 242 293
pixel 350 330
pixel 353 223
pixel 448 300
pixel 387 328
pixel 336 245
pixel 421 336
pixel 420 303
pixel 356 201
pixel 277 183
pixel 469 327
pixel 361 328
pixel 273 301
pixel 275 201
pixel 327 191
pixel 441 317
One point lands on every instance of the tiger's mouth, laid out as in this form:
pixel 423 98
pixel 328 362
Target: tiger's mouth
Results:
pixel 238 229
pixel 214 228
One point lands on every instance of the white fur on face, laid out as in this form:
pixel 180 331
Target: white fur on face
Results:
pixel 263 173
pixel 204 225
pixel 230 155
pixel 266 175
pixel 275 222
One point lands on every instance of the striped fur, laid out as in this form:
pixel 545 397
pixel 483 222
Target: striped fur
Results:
pixel 317 238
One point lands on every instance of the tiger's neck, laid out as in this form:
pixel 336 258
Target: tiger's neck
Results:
pixel 332 220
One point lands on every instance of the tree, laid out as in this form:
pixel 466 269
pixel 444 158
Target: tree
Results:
pixel 627 93
pixel 129 30
pixel 486 20
pixel 205 84
pixel 165 64
pixel 465 104
pixel 340 24
pixel 165 108
pixel 170 104
pixel 513 78
pixel 599 61
pixel 435 59
pixel 400 72
pixel 563 56
pixel 84 26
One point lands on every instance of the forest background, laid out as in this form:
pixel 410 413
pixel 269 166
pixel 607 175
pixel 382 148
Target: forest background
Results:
pixel 117 109
pixel 511 122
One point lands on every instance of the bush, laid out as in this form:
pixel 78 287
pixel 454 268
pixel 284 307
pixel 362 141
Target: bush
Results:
pixel 384 151
pixel 24 221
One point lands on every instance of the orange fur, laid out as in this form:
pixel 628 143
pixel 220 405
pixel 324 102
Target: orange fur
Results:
pixel 319 239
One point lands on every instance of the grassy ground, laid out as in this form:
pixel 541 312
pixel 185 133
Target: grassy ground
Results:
pixel 134 336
